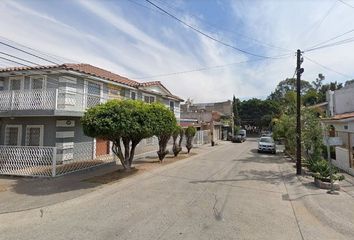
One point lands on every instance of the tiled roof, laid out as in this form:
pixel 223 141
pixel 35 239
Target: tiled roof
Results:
pixel 93 71
pixel 82 68
pixel 99 72
pixel 148 84
pixel 342 116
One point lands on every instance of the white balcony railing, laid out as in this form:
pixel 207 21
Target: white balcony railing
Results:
pixel 46 99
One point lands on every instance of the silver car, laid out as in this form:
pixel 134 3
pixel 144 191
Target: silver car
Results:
pixel 267 144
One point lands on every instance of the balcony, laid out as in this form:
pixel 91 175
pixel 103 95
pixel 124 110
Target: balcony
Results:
pixel 44 102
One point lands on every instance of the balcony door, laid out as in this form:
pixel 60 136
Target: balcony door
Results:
pixel 94 93
pixel 37 84
pixel 15 85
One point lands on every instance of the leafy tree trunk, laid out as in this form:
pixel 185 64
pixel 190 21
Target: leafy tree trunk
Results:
pixel 189 144
pixel 177 146
pixel 127 158
pixel 163 140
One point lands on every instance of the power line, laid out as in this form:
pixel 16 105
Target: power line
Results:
pixel 348 40
pixel 328 68
pixel 34 55
pixel 319 23
pixel 197 70
pixel 206 35
pixel 221 27
pixel 56 57
pixel 333 38
pixel 345 3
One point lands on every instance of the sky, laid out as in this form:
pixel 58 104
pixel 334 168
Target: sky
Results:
pixel 135 39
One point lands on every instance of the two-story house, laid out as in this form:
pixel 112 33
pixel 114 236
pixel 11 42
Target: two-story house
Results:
pixel 41 107
pixel 340 118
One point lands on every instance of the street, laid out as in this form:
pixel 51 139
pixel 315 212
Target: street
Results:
pixel 231 192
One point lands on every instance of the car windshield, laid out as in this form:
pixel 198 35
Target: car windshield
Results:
pixel 267 140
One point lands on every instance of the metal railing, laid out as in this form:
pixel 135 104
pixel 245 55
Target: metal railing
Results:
pixel 27 161
pixel 38 161
pixel 46 99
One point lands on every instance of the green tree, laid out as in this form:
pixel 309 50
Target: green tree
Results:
pixel 163 125
pixel 288 85
pixel 259 112
pixel 285 128
pixel 312 97
pixel 235 107
pixel 311 134
pixel 349 82
pixel 124 122
pixel 190 133
pixel 177 146
pixel 317 84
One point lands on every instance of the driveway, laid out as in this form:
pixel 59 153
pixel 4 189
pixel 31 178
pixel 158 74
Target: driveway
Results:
pixel 232 192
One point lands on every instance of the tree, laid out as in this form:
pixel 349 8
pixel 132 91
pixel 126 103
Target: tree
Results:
pixel 124 122
pixel 312 134
pixel 312 97
pixel 253 112
pixel 330 86
pixel 177 146
pixel 285 128
pixel 235 107
pixel 349 82
pixel 317 84
pixel 288 85
pixel 190 133
pixel 163 125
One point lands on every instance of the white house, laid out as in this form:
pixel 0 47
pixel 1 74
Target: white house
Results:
pixel 340 112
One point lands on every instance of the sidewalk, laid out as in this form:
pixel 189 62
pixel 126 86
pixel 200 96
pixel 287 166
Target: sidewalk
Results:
pixel 21 193
pixel 317 210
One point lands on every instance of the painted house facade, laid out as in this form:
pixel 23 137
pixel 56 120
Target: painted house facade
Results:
pixel 340 117
pixel 41 107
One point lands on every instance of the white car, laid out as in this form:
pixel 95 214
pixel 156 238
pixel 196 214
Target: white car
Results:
pixel 267 144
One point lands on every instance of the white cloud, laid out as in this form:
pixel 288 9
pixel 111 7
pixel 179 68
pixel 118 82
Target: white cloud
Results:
pixel 147 43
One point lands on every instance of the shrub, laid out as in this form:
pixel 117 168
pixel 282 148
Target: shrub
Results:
pixel 322 170
pixel 163 125
pixel 190 133
pixel 177 146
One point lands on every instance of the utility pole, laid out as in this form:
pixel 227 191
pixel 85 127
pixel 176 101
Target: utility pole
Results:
pixel 299 71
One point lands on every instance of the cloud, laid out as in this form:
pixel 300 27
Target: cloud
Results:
pixel 134 41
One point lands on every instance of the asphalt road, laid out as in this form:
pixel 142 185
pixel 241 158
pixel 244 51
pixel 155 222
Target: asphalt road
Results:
pixel 232 192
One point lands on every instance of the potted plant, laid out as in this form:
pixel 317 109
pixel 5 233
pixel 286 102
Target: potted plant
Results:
pixel 322 174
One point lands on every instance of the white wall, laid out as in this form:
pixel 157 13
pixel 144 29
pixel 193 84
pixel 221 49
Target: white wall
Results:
pixel 342 161
pixel 344 100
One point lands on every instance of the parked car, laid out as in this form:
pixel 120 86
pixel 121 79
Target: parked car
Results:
pixel 239 138
pixel 267 144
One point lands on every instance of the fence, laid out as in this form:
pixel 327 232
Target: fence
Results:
pixel 45 162
pixel 39 161
pixel 26 161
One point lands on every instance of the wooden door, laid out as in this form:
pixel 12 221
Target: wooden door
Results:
pixel 102 147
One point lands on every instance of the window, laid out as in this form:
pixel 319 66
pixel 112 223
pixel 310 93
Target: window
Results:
pixel 13 135
pixel 133 95
pixel 345 127
pixel 38 82
pixel 34 135
pixel 172 106
pixel 149 99
pixel 94 91
pixel 16 83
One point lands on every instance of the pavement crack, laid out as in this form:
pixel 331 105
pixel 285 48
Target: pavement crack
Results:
pixel 216 212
